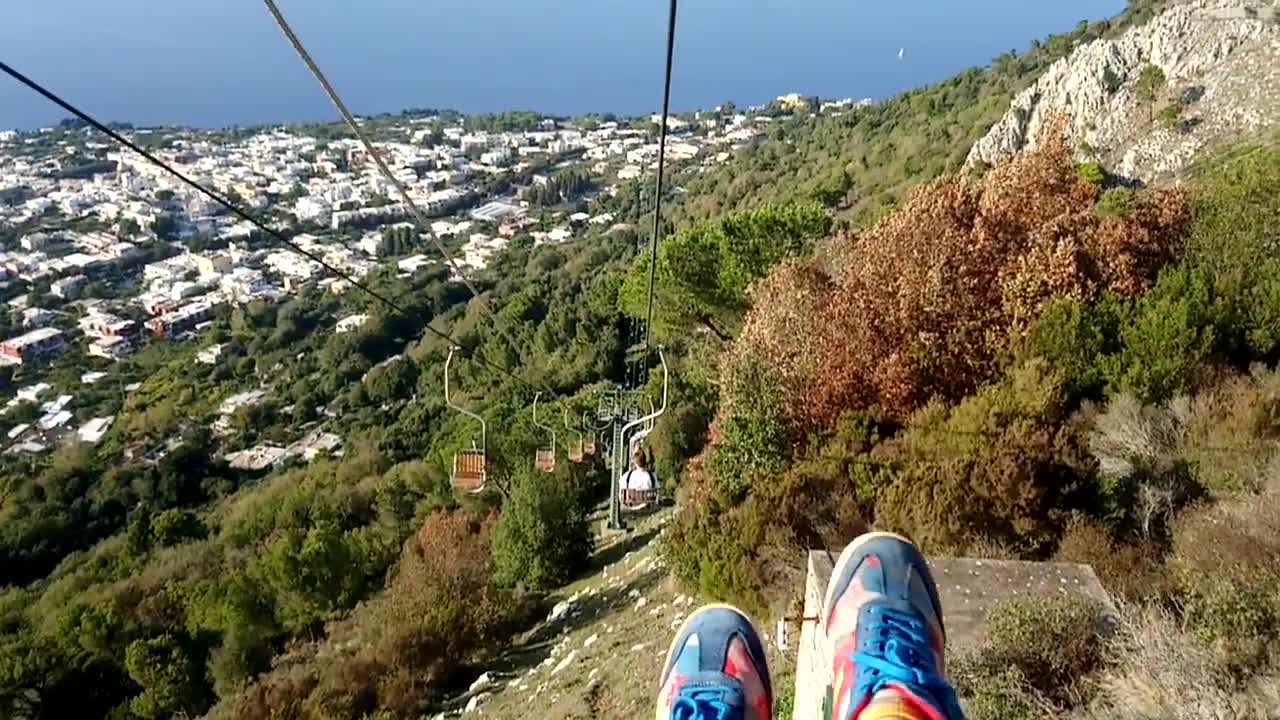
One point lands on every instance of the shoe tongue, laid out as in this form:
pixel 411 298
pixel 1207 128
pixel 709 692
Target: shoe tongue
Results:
pixel 906 702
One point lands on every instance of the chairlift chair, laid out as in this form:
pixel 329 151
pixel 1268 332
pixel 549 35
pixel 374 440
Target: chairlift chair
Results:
pixel 575 451
pixel 639 499
pixel 589 440
pixel 470 466
pixel 544 458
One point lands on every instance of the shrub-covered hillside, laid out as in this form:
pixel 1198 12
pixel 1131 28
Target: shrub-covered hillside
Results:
pixel 1031 364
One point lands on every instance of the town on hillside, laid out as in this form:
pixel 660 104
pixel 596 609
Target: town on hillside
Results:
pixel 102 251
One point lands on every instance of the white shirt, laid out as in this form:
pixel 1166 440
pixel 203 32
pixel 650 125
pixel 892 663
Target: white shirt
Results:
pixel 636 479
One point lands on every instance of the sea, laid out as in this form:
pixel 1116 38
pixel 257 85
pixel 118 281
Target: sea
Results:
pixel 213 63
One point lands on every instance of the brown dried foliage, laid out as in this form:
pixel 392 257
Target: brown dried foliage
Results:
pixel 923 303
pixel 440 613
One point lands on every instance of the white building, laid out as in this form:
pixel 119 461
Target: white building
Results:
pixel 93 431
pixel 497 212
pixel 211 355
pixel 31 346
pixel 111 348
pixel 413 263
pixel 350 322
pixel 69 288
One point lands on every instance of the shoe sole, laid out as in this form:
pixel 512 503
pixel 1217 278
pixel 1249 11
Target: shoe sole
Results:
pixel 845 557
pixel 671 649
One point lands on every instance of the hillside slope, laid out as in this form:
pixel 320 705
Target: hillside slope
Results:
pixel 599 651
pixel 1221 62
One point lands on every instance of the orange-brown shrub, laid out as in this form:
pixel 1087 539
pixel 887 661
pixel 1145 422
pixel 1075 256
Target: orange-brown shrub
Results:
pixel 921 304
pixel 1132 571
pixel 780 334
pixel 442 609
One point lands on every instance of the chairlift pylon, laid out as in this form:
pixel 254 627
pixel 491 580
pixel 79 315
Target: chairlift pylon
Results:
pixel 470 471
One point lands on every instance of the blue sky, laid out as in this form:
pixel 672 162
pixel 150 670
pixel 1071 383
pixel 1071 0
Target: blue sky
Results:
pixel 217 62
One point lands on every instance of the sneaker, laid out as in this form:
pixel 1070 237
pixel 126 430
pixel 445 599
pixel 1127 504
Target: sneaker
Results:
pixel 884 623
pixel 715 670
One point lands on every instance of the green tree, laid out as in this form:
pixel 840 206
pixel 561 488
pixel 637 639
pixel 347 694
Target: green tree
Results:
pixel 172 683
pixel 702 274
pixel 542 538
pixel 175 526
pixel 313 572
pixel 1149 86
pixel 1169 333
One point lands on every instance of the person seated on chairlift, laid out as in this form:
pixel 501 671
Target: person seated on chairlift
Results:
pixel 637 481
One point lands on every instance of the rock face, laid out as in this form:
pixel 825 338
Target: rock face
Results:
pixel 1221 59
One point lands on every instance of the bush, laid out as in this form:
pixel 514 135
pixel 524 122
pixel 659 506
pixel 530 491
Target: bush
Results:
pixel 1263 314
pixel 1155 669
pixel 1052 641
pixel 541 539
pixel 715 549
pixel 780 334
pixel 1131 571
pixel 989 692
pixel 314 572
pixel 442 609
pixel 1138 449
pixel 172 683
pixel 1232 437
pixel 1170 332
pixel 1000 465
pixel 171 527
pixel 1073 337
pixel 1114 202
pixel 1227 558
pixel 927 300
pixel 1233 240
pixel 751 440
pixel 1092 173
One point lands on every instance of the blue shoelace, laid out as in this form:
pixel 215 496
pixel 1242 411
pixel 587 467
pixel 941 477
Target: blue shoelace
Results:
pixel 704 703
pixel 900 653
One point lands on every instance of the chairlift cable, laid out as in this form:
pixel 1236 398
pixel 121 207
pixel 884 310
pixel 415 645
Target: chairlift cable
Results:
pixel 662 160
pixel 350 119
pixel 242 214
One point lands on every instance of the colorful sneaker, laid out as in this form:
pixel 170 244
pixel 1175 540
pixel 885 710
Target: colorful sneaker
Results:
pixel 884 623
pixel 715 670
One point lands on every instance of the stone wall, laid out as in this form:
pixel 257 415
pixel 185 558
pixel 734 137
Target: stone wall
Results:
pixel 968 589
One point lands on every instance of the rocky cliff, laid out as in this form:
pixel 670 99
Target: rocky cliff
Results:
pixel 1221 63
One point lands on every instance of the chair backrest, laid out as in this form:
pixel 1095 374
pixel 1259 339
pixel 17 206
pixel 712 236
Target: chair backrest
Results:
pixel 545 460
pixel 469 473
pixel 575 452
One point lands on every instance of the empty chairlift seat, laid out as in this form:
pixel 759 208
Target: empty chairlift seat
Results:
pixel 469 474
pixel 545 460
